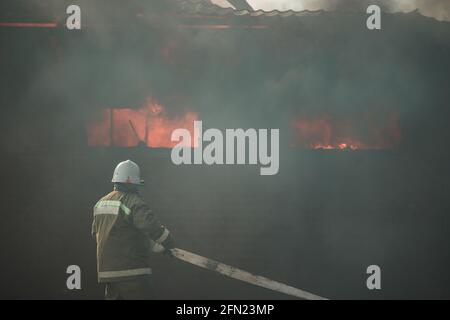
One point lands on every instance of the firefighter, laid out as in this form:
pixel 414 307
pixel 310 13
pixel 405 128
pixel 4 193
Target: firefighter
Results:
pixel 127 231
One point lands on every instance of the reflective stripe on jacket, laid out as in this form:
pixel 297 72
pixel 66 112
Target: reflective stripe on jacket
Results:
pixel 124 225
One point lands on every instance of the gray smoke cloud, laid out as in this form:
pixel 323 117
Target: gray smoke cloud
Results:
pixel 438 9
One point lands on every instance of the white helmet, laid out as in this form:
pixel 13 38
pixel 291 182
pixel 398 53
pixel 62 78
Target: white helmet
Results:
pixel 127 172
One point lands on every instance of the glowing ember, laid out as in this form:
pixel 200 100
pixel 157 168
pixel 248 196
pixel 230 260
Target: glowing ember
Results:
pixel 149 125
pixel 351 133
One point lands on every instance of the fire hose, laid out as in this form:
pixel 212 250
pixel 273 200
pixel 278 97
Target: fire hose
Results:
pixel 241 275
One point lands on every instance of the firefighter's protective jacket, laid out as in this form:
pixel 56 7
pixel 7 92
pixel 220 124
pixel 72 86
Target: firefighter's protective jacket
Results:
pixel 124 226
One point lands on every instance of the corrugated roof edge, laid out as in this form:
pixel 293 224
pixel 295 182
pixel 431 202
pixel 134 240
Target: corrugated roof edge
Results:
pixel 207 7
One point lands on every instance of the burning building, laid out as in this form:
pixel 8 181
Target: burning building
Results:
pixel 126 127
pixel 357 132
pixel 358 126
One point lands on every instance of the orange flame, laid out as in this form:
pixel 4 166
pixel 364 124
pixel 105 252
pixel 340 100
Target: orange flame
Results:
pixel 352 133
pixel 149 125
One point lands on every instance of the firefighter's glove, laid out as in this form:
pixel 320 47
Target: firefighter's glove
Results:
pixel 168 245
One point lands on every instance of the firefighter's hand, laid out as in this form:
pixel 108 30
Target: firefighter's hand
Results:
pixel 168 252
pixel 168 245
